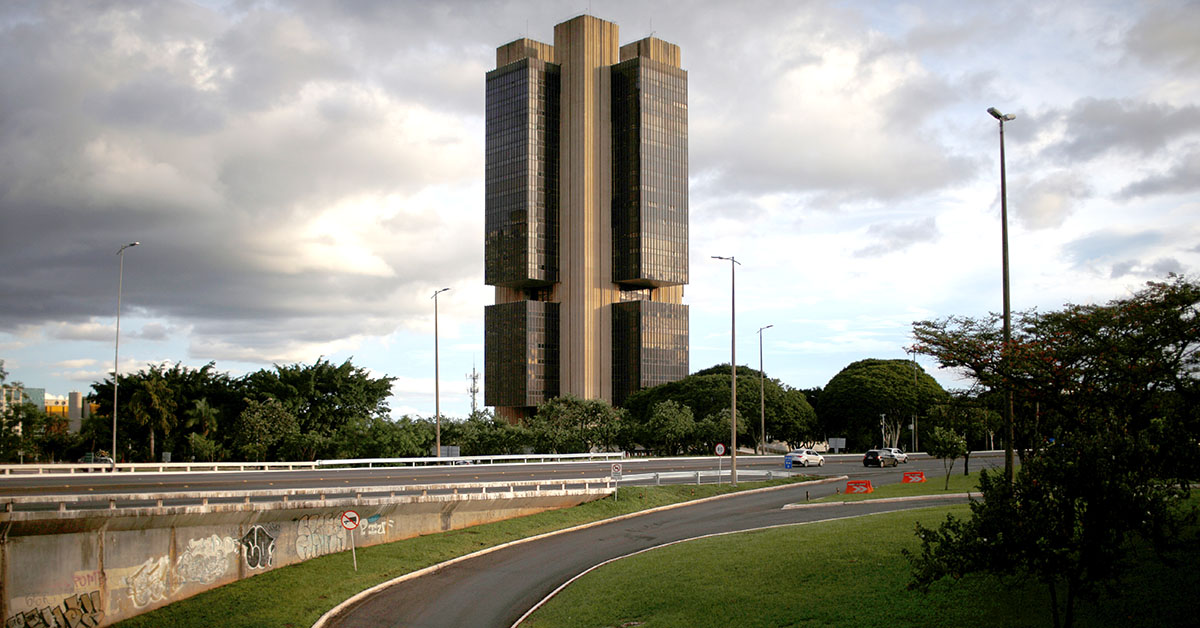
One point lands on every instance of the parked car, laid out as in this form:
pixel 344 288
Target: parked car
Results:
pixel 879 458
pixel 804 458
pixel 900 455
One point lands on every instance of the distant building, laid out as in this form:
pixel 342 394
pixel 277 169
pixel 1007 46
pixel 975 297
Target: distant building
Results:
pixel 586 200
pixel 14 394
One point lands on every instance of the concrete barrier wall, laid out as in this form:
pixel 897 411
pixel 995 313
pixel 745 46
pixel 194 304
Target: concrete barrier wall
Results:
pixel 96 568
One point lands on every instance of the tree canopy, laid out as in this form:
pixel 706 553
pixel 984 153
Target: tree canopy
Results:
pixel 1110 398
pixel 866 392
pixel 706 393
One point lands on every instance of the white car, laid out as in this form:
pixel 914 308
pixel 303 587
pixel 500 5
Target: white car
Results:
pixel 900 455
pixel 804 458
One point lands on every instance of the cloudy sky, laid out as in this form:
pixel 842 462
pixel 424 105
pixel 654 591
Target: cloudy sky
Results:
pixel 303 175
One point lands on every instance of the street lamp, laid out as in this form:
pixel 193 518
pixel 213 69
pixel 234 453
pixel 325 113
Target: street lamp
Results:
pixel 437 393
pixel 916 392
pixel 733 263
pixel 762 400
pixel 117 348
pixel 1007 407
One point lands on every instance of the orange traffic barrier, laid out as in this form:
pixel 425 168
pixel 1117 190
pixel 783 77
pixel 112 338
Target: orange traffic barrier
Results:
pixel 859 486
pixel 913 477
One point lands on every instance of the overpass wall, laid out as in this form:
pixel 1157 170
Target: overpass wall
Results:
pixel 68 569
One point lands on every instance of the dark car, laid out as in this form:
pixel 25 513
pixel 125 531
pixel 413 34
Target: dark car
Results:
pixel 879 458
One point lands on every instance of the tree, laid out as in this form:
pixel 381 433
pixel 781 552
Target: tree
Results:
pixel 569 424
pixel 153 404
pixel 671 426
pixel 947 445
pixel 322 397
pixel 966 414
pixel 1108 380
pixel 788 415
pixel 870 392
pixel 261 427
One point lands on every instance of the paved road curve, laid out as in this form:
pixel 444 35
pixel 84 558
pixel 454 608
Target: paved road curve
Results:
pixel 495 589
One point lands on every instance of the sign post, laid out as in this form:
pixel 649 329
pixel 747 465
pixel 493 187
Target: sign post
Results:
pixel 350 522
pixel 616 476
pixel 720 452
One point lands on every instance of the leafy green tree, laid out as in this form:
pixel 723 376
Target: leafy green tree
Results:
pixel 947 445
pixel 868 392
pixel 153 404
pixel 323 397
pixel 569 424
pixel 1108 380
pixel 788 415
pixel 671 426
pixel 204 449
pixel 262 426
pixel 965 414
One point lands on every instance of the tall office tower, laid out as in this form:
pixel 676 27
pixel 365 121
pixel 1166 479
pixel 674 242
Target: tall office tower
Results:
pixel 587 218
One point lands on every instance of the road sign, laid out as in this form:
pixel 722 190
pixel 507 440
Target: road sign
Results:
pixel 616 471
pixel 859 486
pixel 349 519
pixel 913 477
pixel 720 449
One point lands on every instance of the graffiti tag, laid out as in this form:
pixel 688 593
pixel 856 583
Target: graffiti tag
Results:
pixel 317 535
pixel 76 611
pixel 260 547
pixel 205 559
pixel 149 583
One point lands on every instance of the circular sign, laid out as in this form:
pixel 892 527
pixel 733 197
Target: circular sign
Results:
pixel 720 449
pixel 350 520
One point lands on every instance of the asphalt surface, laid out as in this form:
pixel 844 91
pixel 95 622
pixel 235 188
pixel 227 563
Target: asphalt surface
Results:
pixel 497 588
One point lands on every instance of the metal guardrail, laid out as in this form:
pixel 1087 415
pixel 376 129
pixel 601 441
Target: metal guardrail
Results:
pixel 169 467
pixel 315 496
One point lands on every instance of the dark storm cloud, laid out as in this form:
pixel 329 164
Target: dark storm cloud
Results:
pixel 1181 177
pixel 1095 127
pixel 216 140
pixel 1166 36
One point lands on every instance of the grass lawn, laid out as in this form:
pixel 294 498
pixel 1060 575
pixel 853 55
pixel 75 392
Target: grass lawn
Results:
pixel 297 595
pixel 846 573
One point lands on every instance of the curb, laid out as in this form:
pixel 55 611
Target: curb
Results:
pixel 885 500
pixel 331 613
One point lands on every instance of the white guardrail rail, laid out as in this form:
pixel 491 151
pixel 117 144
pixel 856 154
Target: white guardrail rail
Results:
pixel 167 467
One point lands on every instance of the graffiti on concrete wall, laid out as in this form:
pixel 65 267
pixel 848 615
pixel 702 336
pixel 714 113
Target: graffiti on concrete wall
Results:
pixel 205 559
pixel 86 580
pixel 317 535
pixel 76 611
pixel 376 525
pixel 260 547
pixel 148 584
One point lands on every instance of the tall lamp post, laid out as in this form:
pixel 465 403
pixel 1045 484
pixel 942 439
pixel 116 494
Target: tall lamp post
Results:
pixel 915 392
pixel 762 400
pixel 437 393
pixel 117 347
pixel 1008 403
pixel 733 264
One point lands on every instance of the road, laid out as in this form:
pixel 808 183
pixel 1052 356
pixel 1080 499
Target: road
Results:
pixel 519 576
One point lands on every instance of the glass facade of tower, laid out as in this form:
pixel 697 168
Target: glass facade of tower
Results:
pixel 521 175
pixel 650 345
pixel 520 353
pixel 650 173
pixel 586 172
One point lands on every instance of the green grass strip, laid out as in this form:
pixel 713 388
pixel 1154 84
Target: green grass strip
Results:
pixel 297 595
pixel 846 573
